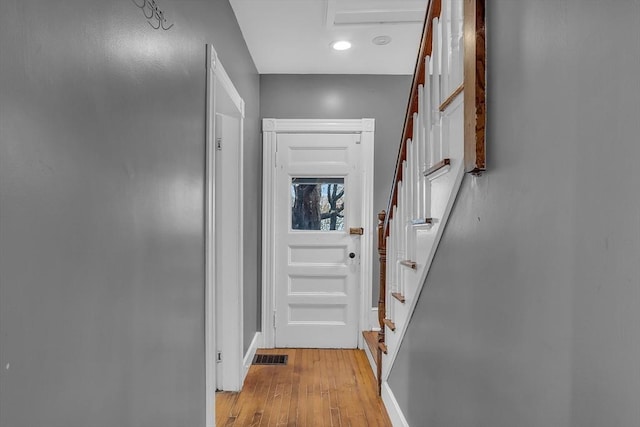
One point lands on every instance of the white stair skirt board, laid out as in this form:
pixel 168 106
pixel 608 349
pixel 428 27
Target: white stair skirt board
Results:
pixel 393 409
pixel 256 343
pixel 372 360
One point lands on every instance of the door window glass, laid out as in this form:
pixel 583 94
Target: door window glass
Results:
pixel 317 204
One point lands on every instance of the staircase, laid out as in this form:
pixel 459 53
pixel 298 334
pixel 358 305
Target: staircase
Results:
pixel 443 138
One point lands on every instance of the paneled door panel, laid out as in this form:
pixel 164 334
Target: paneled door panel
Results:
pixel 318 198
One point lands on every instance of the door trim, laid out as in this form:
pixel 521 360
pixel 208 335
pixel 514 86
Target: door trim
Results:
pixel 218 82
pixel 270 129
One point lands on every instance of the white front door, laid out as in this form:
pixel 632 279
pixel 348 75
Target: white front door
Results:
pixel 317 273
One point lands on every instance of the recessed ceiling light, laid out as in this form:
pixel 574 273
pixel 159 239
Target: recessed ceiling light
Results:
pixel 341 45
pixel 381 40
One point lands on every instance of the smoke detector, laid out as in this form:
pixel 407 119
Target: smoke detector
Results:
pixel 381 40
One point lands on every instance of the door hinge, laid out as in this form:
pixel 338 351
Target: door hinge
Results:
pixel 358 138
pixel 219 144
pixel 274 318
pixel 219 357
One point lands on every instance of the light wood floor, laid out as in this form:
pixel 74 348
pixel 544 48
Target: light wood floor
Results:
pixel 316 388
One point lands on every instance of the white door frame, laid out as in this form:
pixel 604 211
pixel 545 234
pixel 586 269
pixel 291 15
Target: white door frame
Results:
pixel 219 83
pixel 270 130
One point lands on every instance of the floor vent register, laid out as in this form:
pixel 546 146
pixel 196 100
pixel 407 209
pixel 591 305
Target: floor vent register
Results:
pixel 270 359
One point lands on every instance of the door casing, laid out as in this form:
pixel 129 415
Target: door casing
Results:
pixel 221 97
pixel 270 129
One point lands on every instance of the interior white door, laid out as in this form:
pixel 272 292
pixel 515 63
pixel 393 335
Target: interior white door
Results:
pixel 228 253
pixel 318 199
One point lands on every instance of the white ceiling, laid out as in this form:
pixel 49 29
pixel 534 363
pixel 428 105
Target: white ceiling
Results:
pixel 294 36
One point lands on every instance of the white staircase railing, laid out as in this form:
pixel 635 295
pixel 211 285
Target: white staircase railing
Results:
pixel 443 138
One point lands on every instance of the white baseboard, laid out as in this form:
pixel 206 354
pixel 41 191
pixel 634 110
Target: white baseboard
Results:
pixel 393 409
pixel 251 352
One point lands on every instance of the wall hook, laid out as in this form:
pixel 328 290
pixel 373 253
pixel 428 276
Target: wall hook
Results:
pixel 154 15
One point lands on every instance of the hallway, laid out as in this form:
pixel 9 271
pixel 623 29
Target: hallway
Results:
pixel 317 387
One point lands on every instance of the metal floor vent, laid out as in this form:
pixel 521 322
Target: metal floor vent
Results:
pixel 270 359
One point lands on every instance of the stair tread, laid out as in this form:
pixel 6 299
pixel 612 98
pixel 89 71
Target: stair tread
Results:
pixel 398 296
pixel 437 167
pixel 371 338
pixel 408 263
pixel 383 347
pixel 390 324
pixel 422 221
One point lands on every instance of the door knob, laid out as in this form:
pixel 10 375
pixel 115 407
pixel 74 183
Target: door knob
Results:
pixel 352 255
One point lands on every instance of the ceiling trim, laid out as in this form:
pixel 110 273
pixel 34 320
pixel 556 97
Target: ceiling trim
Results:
pixel 340 13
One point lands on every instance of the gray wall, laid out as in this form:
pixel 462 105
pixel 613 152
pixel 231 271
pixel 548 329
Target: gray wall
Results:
pixel 102 126
pixel 313 96
pixel 530 313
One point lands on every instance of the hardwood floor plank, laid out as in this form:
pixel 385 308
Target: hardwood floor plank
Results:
pixel 332 401
pixel 318 418
pixel 365 405
pixel 292 416
pixel 333 388
pixel 351 405
pixel 368 399
pixel 225 402
pixel 250 409
pixel 284 389
pixel 343 389
pixel 324 391
pixel 312 398
pixel 303 404
pixel 285 380
pixel 272 409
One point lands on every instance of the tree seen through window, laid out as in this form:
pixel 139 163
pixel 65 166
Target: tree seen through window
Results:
pixel 317 204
